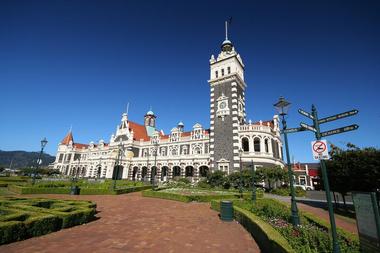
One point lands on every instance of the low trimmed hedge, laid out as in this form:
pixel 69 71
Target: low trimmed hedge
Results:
pixel 66 190
pixel 190 198
pixel 24 218
pixel 268 239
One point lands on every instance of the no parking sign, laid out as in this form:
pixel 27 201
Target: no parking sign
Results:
pixel 320 151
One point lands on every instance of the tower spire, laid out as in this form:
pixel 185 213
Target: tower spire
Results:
pixel 226 26
pixel 127 108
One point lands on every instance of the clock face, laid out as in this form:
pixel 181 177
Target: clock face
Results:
pixel 222 105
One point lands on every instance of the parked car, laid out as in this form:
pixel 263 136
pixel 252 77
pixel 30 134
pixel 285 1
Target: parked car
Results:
pixel 305 187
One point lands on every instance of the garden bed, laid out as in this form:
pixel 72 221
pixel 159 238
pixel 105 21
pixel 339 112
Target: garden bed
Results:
pixel 22 218
pixel 312 236
pixel 194 194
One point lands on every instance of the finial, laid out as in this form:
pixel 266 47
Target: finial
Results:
pixel 226 26
pixel 127 107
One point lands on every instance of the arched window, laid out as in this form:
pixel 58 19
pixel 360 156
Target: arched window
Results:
pixel 216 74
pixel 245 144
pixel 266 146
pixel 256 144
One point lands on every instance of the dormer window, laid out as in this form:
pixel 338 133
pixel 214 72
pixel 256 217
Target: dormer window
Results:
pixel 216 74
pixel 229 70
pixel 222 72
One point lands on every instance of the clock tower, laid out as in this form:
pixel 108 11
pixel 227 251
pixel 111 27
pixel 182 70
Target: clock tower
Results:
pixel 227 107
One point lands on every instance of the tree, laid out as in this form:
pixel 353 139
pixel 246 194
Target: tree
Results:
pixel 353 169
pixel 271 175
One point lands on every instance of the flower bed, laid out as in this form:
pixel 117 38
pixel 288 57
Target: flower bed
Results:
pixel 24 218
pixel 313 234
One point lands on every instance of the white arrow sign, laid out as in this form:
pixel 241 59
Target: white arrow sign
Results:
pixel 306 126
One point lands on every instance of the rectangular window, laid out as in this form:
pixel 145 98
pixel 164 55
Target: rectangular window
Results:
pixel 222 72
pixel 228 70
pixel 60 158
pixel 216 74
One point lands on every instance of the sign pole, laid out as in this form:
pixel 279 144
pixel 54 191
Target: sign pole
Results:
pixel 336 248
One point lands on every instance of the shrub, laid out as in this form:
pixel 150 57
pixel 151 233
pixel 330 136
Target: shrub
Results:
pixel 184 180
pixel 203 184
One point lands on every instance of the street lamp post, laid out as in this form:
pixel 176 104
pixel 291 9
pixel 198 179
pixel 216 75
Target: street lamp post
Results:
pixel 241 175
pixel 282 107
pixel 155 165
pixel 253 183
pixel 43 144
pixel 117 165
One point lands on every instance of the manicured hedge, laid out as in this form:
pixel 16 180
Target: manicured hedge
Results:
pixel 24 218
pixel 190 198
pixel 65 190
pixel 268 239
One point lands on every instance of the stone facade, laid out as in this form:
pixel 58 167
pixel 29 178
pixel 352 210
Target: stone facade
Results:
pixel 142 152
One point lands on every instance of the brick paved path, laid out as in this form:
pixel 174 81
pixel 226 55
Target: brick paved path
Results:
pixel 131 223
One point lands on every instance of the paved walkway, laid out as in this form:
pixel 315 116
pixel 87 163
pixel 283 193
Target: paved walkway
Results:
pixel 321 213
pixel 131 223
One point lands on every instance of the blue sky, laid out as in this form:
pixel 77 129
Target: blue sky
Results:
pixel 79 63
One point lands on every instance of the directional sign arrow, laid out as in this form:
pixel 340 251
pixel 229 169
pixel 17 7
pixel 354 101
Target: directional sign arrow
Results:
pixel 338 116
pixel 305 114
pixel 293 130
pixel 307 127
pixel 340 130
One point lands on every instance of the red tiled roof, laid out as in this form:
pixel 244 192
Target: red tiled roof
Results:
pixel 80 145
pixel 67 139
pixel 184 134
pixel 139 131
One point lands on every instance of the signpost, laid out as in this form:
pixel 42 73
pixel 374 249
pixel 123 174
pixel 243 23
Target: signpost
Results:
pixel 367 211
pixel 338 116
pixel 293 130
pixel 340 130
pixel 307 127
pixel 306 114
pixel 320 152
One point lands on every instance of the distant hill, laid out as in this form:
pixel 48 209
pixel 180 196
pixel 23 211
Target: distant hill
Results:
pixel 22 159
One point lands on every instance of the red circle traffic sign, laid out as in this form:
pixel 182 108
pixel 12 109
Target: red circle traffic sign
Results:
pixel 319 147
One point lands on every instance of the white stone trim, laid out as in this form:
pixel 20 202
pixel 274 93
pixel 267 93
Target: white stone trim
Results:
pixel 236 144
